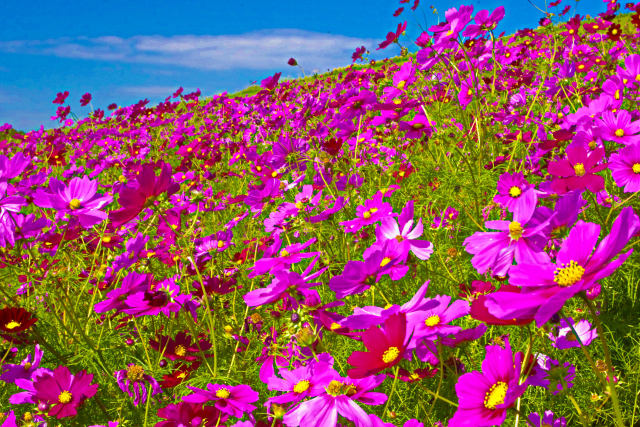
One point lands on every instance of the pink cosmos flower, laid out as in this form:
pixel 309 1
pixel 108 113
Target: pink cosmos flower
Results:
pixel 577 171
pixel 60 97
pixel 85 100
pixel 339 398
pixel 371 212
pixel 515 192
pixel 625 168
pixel 521 239
pixel 303 382
pixel 63 391
pixel 79 199
pixel 483 398
pixel 567 338
pixel 547 286
pixel 619 128
pixel 233 400
pixel 190 414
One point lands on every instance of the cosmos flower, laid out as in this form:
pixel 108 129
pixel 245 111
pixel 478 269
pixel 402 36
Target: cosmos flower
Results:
pixel 190 414
pixel 25 370
pixel 619 128
pixel 15 321
pixel 578 170
pixel 339 398
pixel 521 240
pixel 546 286
pixel 371 212
pixel 79 199
pixel 547 420
pixel 133 381
pixel 483 398
pixel 180 347
pixel 551 374
pixel 625 167
pixel 63 391
pixel 136 195
pixel 386 347
pixel 232 400
pixel 515 193
pixel 566 336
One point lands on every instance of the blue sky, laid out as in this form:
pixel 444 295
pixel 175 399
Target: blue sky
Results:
pixel 124 51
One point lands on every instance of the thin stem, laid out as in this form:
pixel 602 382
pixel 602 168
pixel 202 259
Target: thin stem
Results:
pixel 607 356
pixel 393 388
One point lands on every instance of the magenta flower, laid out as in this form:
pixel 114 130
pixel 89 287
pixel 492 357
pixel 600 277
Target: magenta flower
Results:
pixel 233 400
pixel 434 322
pixel 547 420
pixel 138 194
pixel 484 22
pixel 60 97
pixel 63 391
pixel 371 212
pixel 190 414
pixel 133 381
pixel 80 199
pixel 339 398
pixel 483 398
pixel 25 370
pixel 625 168
pixel 418 128
pixel 286 284
pixel 547 286
pixel 521 239
pixel 514 193
pixel 619 128
pixel 404 235
pixel 289 255
pixel 577 171
pixel 566 336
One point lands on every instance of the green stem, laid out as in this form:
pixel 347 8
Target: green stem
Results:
pixel 393 388
pixel 607 356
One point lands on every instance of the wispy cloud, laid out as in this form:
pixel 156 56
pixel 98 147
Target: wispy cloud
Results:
pixel 265 49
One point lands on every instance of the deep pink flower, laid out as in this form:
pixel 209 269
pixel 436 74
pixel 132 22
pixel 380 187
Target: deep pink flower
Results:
pixel 619 128
pixel 133 381
pixel 65 392
pixel 136 195
pixel 190 414
pixel 547 286
pixel 371 212
pixel 233 400
pixel 483 398
pixel 393 37
pixel 625 168
pixel 79 199
pixel 578 170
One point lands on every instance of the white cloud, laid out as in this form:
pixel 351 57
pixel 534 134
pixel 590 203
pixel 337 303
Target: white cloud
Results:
pixel 265 49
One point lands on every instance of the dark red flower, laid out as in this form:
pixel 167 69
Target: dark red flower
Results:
pixel 292 62
pixel 358 53
pixel 15 320
pixel 386 347
pixel 85 100
pixel 60 97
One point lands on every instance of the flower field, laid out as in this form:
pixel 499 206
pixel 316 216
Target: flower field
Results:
pixel 446 238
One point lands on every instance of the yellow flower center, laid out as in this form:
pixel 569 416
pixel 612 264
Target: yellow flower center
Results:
pixel 222 393
pixel 569 274
pixel 27 366
pixel 135 372
pixel 12 325
pixel 636 168
pixel 417 126
pixel 386 260
pixel 220 243
pixel 515 191
pixel 619 133
pixel 390 354
pixel 432 321
pixel 578 168
pixel 616 95
pixel 515 230
pixel 106 239
pixel 301 386
pixel 334 326
pixel 496 395
pixel 334 388
pixel 284 253
pixel 64 397
pixel 401 84
pixel 75 204
pixel 180 350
